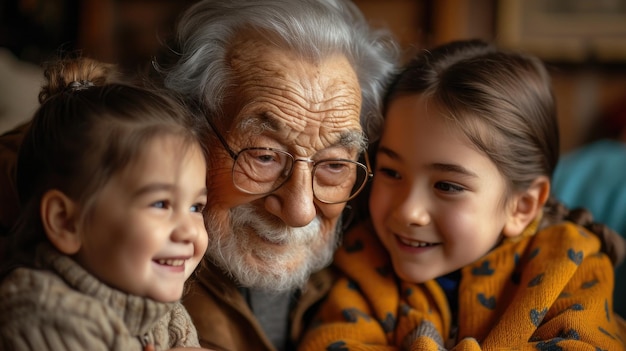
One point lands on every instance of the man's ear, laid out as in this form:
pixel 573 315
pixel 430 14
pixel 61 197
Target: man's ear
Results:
pixel 525 206
pixel 59 215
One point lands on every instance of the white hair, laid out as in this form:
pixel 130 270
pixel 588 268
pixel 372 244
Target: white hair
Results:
pixel 313 29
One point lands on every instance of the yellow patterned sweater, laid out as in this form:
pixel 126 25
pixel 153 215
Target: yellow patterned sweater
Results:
pixel 549 291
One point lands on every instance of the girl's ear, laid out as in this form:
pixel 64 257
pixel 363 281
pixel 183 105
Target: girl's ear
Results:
pixel 59 215
pixel 525 206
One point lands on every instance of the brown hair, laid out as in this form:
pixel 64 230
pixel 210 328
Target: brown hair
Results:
pixel 90 125
pixel 503 102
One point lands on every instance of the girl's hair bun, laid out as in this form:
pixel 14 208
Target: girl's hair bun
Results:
pixel 76 74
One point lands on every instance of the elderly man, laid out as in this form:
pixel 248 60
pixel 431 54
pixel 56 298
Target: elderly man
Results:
pixel 291 93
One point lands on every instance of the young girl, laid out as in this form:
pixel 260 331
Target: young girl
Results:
pixel 111 179
pixel 462 252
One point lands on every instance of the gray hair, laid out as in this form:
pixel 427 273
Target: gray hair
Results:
pixel 314 29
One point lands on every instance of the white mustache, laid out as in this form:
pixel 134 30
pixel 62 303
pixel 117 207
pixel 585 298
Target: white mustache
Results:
pixel 273 231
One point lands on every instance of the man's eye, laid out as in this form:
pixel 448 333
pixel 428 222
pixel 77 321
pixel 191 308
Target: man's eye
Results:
pixel 337 167
pixel 265 158
pixel 449 187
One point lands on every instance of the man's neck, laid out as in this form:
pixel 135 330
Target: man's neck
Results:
pixel 271 310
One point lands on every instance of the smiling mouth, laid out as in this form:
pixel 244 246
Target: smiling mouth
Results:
pixel 171 262
pixel 415 243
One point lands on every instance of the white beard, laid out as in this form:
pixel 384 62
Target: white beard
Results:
pixel 286 267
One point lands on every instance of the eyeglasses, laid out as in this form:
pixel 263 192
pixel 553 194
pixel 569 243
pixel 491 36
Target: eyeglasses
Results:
pixel 262 170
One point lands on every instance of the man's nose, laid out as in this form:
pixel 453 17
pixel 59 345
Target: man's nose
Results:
pixel 294 201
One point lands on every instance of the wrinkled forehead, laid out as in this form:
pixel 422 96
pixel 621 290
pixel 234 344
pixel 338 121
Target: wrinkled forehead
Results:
pixel 277 89
pixel 272 64
pixel 259 40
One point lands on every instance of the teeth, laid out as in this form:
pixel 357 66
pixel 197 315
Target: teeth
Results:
pixel 414 243
pixel 171 262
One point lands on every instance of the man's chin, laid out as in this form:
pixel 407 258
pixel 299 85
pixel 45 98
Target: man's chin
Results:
pixel 278 269
pixel 273 267
pixel 260 254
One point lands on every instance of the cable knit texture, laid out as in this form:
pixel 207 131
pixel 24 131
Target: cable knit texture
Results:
pixel 551 290
pixel 63 307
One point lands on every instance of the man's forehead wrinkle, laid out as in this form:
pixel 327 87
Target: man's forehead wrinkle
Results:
pixel 333 131
pixel 315 96
pixel 308 105
pixel 273 118
pixel 283 95
pixel 337 109
pixel 291 96
pixel 309 90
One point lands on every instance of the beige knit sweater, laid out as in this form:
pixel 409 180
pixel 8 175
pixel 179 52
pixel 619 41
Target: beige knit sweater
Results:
pixel 63 307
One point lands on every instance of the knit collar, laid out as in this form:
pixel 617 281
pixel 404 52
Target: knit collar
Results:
pixel 140 314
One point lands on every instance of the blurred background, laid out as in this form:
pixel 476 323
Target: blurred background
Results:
pixel 584 41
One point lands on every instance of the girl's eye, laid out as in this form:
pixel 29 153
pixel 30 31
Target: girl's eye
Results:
pixel 388 172
pixel 448 187
pixel 160 204
pixel 199 207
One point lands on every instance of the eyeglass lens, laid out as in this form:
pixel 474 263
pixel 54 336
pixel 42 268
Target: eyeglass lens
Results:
pixel 263 170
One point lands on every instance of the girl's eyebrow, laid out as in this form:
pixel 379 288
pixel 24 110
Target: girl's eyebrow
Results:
pixel 388 152
pixel 443 167
pixel 203 192
pixel 446 167
pixel 153 187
